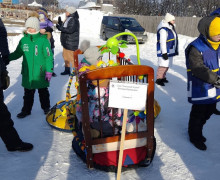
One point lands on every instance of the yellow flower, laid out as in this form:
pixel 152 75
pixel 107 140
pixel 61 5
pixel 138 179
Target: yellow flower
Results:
pixel 100 63
pixel 111 62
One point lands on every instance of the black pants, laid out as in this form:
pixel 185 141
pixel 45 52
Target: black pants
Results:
pixel 44 97
pixel 8 133
pixel 199 114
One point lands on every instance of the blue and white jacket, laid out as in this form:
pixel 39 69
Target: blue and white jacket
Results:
pixel 200 91
pixel 167 40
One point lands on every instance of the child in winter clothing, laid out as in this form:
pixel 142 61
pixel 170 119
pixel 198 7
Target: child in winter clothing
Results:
pixel 8 133
pixel 167 47
pixel 37 66
pixel 46 27
pixel 203 77
pixel 69 37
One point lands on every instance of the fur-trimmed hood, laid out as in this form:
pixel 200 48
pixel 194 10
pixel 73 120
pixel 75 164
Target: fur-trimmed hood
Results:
pixel 47 34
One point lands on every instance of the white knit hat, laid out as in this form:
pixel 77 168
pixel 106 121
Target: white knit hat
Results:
pixel 33 22
pixel 92 54
pixel 84 45
pixel 169 17
pixel 71 10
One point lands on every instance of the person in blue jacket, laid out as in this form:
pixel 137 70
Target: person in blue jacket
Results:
pixel 203 77
pixel 167 47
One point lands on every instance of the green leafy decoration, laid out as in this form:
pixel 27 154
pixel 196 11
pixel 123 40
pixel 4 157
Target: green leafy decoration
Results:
pixel 123 42
pixel 114 50
pixel 105 51
pixel 123 45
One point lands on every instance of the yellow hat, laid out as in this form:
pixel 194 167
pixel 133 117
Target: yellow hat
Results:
pixel 214 28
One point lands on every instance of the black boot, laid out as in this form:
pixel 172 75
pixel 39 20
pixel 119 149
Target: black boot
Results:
pixel 66 71
pixel 160 82
pixel 23 114
pixel 165 80
pixel 21 147
pixel 199 144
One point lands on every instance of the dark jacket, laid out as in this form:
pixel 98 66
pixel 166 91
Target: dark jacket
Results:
pixel 70 34
pixel 3 39
pixel 202 67
pixel 3 50
pixel 2 70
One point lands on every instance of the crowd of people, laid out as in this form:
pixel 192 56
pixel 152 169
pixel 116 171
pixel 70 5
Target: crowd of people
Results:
pixel 37 49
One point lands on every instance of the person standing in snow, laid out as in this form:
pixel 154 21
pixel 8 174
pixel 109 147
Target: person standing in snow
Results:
pixel 37 66
pixel 167 47
pixel 46 27
pixel 203 77
pixel 69 37
pixel 8 133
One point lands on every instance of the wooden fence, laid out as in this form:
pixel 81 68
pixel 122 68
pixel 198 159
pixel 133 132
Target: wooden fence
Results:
pixel 184 25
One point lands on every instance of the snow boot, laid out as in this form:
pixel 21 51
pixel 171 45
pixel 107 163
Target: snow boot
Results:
pixel 160 82
pixel 23 114
pixel 22 147
pixel 199 144
pixel 165 80
pixel 66 71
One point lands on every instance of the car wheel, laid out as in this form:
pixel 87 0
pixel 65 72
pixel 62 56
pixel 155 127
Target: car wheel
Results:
pixel 104 36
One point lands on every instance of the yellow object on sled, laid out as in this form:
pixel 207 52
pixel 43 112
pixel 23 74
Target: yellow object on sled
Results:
pixel 57 117
pixel 157 108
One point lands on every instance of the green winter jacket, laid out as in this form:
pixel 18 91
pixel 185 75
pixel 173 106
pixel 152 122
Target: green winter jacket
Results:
pixel 37 60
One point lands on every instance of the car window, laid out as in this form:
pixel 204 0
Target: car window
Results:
pixel 105 20
pixel 129 22
pixel 116 22
pixel 110 21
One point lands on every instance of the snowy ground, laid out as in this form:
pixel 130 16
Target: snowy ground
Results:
pixel 53 157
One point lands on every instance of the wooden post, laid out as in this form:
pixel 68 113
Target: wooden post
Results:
pixel 122 144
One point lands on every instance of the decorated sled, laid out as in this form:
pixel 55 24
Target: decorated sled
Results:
pixel 98 139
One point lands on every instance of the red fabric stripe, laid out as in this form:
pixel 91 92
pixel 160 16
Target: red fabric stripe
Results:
pixel 111 157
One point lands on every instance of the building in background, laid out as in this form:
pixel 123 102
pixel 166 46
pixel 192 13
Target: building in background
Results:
pixel 10 2
pixel 103 5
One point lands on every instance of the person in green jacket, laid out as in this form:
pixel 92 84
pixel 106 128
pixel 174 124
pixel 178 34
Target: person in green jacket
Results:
pixel 37 66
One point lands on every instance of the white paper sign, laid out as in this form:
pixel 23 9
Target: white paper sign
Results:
pixel 127 95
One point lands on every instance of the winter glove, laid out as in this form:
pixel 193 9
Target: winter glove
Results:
pixel 58 27
pixel 217 83
pixel 48 76
pixel 5 80
pixel 165 56
pixel 60 21
pixel 6 59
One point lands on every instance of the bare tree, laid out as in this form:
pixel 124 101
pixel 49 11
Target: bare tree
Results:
pixel 176 7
